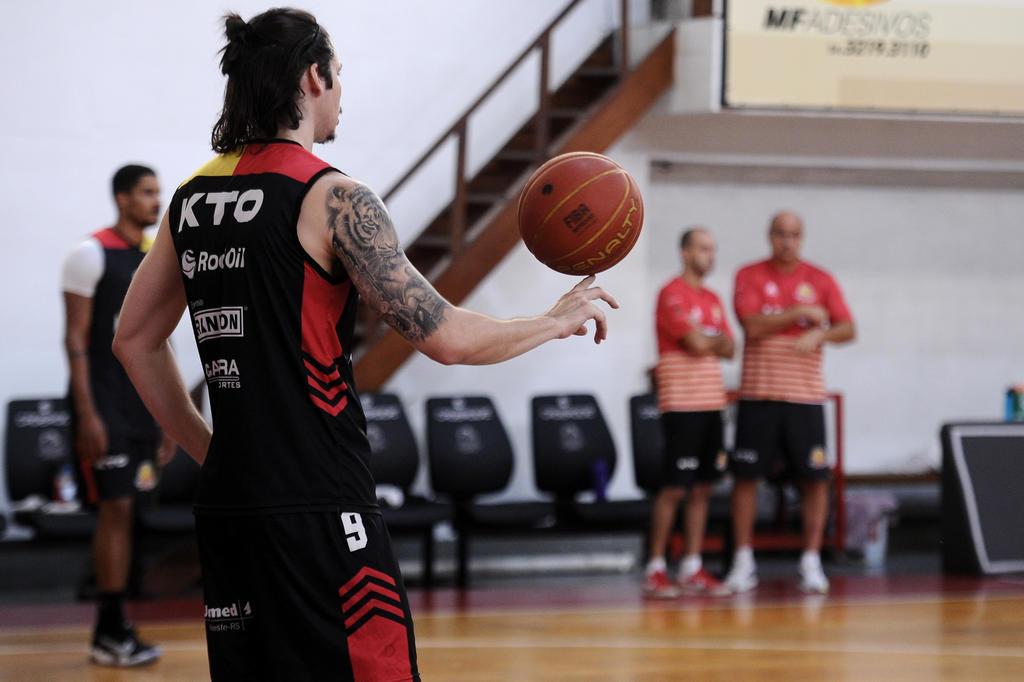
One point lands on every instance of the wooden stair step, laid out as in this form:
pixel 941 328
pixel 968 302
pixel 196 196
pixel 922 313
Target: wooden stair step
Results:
pixel 517 155
pixel 493 181
pixel 598 72
pixel 524 140
pixel 578 93
pixel 603 55
pixel 570 100
pixel 488 198
pixel 567 112
pixel 432 241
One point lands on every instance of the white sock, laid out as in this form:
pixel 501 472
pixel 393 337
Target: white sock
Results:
pixel 656 564
pixel 810 560
pixel 743 559
pixel 691 565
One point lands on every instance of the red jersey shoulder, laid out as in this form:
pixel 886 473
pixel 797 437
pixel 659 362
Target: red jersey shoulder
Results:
pixel 821 279
pixel 714 301
pixel 751 271
pixel 284 158
pixel 672 286
pixel 674 293
pixel 713 296
pixel 109 238
pixel 697 306
pixel 818 273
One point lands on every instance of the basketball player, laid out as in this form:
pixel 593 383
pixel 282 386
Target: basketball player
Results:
pixel 270 248
pixel 693 337
pixel 116 440
pixel 789 310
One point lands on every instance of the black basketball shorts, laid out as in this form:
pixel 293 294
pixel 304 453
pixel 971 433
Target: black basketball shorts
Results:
pixel 128 469
pixel 775 439
pixel 304 596
pixel 693 447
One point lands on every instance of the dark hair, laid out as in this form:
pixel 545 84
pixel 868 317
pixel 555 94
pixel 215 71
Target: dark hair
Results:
pixel 687 237
pixel 128 176
pixel 264 60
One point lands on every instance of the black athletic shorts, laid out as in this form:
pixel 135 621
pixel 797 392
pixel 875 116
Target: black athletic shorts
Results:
pixel 128 469
pixel 693 447
pixel 304 596
pixel 775 439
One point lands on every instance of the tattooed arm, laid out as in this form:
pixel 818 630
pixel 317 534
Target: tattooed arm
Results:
pixel 364 240
pixel 356 230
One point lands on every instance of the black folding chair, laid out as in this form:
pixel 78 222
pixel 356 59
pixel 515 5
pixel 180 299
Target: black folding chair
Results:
pixel 648 442
pixel 573 452
pixel 395 461
pixel 37 447
pixel 471 455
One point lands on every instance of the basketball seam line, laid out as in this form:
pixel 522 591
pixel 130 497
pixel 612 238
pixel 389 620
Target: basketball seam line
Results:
pixel 561 203
pixel 547 166
pixel 603 227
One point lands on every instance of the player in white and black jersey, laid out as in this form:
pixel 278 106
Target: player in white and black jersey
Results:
pixel 117 443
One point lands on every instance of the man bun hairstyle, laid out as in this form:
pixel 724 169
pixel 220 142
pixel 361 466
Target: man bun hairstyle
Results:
pixel 264 60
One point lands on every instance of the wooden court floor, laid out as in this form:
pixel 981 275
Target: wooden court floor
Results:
pixel 970 636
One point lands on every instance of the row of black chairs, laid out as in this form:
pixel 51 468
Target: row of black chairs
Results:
pixel 468 451
pixel 470 455
pixel 38 448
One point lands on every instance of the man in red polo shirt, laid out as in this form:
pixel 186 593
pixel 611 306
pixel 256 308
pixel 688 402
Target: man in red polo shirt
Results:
pixel 693 337
pixel 789 310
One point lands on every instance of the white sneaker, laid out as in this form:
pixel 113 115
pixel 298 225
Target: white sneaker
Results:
pixel 812 579
pixel 740 579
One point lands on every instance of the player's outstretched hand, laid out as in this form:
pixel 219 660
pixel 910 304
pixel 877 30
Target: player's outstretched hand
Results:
pixel 576 307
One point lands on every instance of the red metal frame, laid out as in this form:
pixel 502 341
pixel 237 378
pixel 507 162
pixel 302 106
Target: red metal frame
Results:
pixel 839 475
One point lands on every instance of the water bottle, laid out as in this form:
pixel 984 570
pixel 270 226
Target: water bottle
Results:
pixel 601 480
pixel 1014 410
pixel 64 487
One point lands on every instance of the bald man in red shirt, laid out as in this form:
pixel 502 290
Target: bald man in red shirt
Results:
pixel 789 309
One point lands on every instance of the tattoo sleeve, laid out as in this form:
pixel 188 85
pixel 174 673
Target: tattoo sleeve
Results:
pixel 365 241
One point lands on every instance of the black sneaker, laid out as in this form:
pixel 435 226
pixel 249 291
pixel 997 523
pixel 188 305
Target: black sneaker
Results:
pixel 122 649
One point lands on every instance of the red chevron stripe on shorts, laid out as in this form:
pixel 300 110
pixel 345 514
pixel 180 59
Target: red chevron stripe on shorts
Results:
pixel 364 572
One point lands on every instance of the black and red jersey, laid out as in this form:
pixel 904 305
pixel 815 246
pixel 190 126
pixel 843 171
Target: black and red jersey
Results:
pixel 274 332
pixel 101 268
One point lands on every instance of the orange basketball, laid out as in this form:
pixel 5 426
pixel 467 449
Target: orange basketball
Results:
pixel 580 213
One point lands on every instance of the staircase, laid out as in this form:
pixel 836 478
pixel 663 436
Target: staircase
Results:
pixel 599 102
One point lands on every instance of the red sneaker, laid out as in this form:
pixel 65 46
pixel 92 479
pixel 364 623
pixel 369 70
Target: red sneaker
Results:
pixel 659 586
pixel 700 582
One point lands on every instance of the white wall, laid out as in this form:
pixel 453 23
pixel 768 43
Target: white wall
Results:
pixel 91 86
